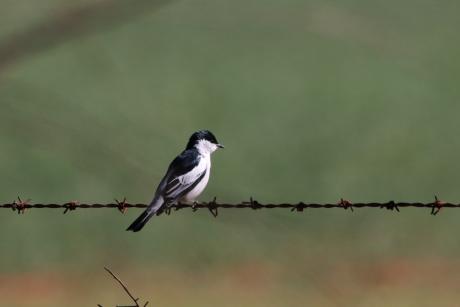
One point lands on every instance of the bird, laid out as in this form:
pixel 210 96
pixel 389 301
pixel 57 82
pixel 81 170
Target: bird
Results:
pixel 185 179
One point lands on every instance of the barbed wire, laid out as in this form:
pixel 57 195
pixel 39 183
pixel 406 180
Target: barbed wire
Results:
pixel 213 206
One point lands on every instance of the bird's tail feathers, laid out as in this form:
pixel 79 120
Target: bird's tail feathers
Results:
pixel 153 208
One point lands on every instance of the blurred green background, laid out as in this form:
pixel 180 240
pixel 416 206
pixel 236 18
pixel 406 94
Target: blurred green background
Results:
pixel 314 100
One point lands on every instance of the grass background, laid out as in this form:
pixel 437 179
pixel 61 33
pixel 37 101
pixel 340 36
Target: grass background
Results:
pixel 314 100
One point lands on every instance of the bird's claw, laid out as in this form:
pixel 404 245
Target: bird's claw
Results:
pixel 194 206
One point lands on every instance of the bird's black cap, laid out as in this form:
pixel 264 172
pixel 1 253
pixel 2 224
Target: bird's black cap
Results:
pixel 202 135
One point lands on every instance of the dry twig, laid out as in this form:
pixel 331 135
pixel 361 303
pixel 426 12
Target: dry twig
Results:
pixel 135 300
pixel 72 23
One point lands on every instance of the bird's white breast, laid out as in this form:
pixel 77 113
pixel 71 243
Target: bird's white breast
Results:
pixel 205 164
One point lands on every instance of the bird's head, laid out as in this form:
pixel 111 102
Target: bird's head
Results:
pixel 204 141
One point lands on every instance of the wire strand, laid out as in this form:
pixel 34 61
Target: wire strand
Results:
pixel 20 206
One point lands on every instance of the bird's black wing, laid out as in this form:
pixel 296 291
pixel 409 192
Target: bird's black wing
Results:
pixel 183 174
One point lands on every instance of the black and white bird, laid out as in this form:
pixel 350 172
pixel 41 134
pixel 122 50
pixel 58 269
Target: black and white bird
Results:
pixel 186 178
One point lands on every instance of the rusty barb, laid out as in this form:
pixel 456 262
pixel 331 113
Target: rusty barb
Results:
pixel 20 205
pixel 213 206
pixel 437 206
pixel 121 205
pixel 70 206
pixel 345 204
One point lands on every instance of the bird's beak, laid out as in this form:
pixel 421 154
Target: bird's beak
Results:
pixel 220 146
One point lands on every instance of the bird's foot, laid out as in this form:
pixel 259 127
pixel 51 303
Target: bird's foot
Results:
pixel 194 206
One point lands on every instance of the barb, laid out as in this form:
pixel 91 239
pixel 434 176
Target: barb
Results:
pixel 213 206
pixel 70 206
pixel 121 205
pixel 437 206
pixel 20 205
pixel 391 205
pixel 135 300
pixel 345 204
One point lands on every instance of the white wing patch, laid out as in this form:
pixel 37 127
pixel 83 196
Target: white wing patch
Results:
pixel 179 184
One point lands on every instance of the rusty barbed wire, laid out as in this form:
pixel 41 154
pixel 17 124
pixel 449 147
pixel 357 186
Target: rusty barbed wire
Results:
pixel 213 206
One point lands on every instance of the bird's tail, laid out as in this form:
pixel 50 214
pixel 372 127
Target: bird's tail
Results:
pixel 153 208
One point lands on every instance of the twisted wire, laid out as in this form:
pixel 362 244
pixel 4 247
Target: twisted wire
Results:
pixel 20 206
